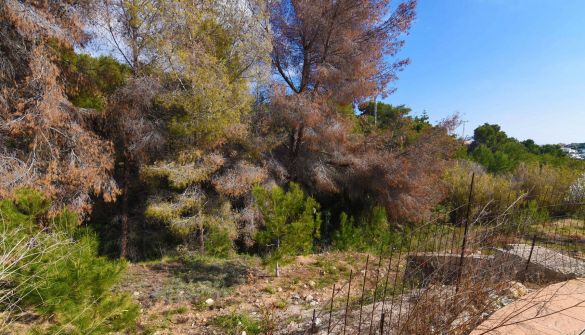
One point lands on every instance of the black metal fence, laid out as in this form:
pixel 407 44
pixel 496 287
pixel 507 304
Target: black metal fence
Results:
pixel 446 279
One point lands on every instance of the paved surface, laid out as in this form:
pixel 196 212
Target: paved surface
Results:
pixel 554 310
pixel 549 259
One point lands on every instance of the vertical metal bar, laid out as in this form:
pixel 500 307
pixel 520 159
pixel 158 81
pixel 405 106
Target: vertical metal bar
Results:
pixel 530 254
pixel 363 291
pixel 408 252
pixel 469 203
pixel 396 280
pixel 313 325
pixel 382 323
pixel 331 310
pixel 387 276
pixel 375 291
pixel 347 301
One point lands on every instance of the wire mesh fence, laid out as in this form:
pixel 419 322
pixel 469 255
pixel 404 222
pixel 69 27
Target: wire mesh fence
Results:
pixel 447 278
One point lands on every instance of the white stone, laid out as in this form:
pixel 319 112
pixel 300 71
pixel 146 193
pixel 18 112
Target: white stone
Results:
pixel 516 290
pixel 209 302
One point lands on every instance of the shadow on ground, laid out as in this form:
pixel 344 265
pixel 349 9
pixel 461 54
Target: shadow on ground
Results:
pixel 225 274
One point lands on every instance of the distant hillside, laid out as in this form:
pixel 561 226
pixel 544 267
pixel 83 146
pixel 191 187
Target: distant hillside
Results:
pixel 575 150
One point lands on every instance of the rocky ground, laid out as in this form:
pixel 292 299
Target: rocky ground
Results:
pixel 238 295
pixel 241 296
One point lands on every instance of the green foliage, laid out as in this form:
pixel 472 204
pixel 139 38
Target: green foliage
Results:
pixel 237 323
pixel 388 116
pixel 219 241
pixel 291 220
pixel 90 80
pixel 371 233
pixel 548 186
pixel 395 118
pixel 63 278
pixel 67 222
pixel 497 192
pixel 498 153
pixel 421 122
pixel 185 217
pixel 31 202
pixel 532 213
pixel 210 99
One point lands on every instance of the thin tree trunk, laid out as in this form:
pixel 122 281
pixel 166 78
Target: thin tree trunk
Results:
pixel 125 225
pixel 201 236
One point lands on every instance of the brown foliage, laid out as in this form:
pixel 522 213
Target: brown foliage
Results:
pixel 331 54
pixel 45 142
pixel 338 47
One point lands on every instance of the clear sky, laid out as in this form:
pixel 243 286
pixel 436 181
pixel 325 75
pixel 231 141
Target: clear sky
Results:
pixel 517 63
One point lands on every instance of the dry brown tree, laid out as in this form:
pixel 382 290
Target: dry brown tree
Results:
pixel 331 56
pixel 46 142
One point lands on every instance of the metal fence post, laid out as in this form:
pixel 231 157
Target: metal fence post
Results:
pixel 463 245
pixel 529 256
pixel 382 323
pixel 347 301
pixel 331 311
pixel 363 291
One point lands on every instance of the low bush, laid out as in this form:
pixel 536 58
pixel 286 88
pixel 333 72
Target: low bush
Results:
pixel 54 270
pixel 291 220
pixel 370 233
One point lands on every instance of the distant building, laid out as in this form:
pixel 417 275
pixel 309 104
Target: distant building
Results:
pixel 575 150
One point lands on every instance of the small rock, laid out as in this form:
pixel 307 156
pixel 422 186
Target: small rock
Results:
pixel 136 293
pixel 506 301
pixel 209 302
pixel 516 290
pixel 243 332
pixel 279 289
pixel 309 298
pixel 313 303
pixel 295 296
pixel 312 283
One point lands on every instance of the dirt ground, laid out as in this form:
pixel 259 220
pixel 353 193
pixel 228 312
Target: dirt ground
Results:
pixel 237 295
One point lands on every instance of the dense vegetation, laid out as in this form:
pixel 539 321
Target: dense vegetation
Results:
pixel 215 128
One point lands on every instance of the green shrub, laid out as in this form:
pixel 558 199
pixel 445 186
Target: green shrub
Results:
pixel 236 323
pixel 60 276
pixel 371 233
pixel 549 185
pixel 492 194
pixel 219 242
pixel 291 220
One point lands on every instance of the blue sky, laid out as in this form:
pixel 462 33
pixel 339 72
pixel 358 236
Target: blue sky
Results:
pixel 517 63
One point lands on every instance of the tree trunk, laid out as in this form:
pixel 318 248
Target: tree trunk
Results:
pixel 125 228
pixel 295 138
pixel 201 235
